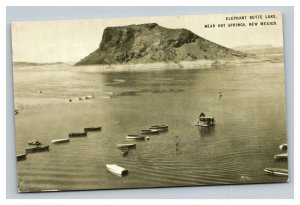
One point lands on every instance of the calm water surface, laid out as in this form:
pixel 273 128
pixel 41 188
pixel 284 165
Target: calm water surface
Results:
pixel 250 125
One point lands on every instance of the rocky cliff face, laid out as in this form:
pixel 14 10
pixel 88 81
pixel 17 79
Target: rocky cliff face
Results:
pixel 147 43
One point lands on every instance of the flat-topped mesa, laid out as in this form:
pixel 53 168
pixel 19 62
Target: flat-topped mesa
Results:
pixel 148 43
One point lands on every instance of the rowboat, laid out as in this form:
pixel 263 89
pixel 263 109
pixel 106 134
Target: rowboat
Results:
pixel 160 126
pixel 135 137
pixel 58 141
pixel 89 129
pixel 78 134
pixel 117 170
pixel 276 171
pixel 34 142
pixel 281 156
pixel 283 147
pixel 37 149
pixel 21 157
pixel 126 146
pixel 150 131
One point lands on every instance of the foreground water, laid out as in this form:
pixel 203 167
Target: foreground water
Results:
pixel 250 125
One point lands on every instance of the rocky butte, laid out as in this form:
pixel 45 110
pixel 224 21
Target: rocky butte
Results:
pixel 149 43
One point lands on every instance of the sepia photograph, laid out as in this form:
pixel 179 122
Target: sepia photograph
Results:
pixel 166 101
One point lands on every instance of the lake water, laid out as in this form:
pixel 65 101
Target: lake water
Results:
pixel 250 125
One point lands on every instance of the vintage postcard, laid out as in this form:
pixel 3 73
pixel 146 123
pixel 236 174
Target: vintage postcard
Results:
pixel 149 102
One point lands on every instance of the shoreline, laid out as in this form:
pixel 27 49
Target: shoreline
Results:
pixel 158 66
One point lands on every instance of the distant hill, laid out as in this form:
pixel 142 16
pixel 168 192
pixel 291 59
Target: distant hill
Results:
pixel 19 63
pixel 148 43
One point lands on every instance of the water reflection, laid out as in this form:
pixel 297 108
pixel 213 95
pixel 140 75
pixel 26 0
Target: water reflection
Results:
pixel 206 131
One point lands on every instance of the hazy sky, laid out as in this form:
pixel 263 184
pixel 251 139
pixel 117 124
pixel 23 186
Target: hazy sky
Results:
pixel 70 41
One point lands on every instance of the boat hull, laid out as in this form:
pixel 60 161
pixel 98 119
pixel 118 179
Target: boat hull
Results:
pixel 276 172
pixel 120 146
pixel 91 129
pixel 281 156
pixel 60 141
pixel 116 170
pixel 21 157
pixel 135 137
pixel 78 134
pixel 160 128
pixel 37 149
pixel 150 132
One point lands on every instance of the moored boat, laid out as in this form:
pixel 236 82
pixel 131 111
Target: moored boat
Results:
pixel 281 156
pixel 126 146
pixel 78 134
pixel 160 126
pixel 34 142
pixel 203 121
pixel 37 149
pixel 283 147
pixel 58 141
pixel 88 97
pixel 117 170
pixel 89 129
pixel 135 137
pixel 150 131
pixel 276 171
pixel 21 157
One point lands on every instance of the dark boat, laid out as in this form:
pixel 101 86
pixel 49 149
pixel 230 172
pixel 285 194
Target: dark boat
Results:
pixel 37 149
pixel 34 142
pixel 21 157
pixel 78 134
pixel 89 129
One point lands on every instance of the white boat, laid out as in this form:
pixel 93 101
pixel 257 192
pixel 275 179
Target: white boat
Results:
pixel 283 147
pixel 88 97
pixel 281 156
pixel 57 141
pixel 276 171
pixel 117 170
pixel 135 137
pixel 126 145
pixel 34 142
